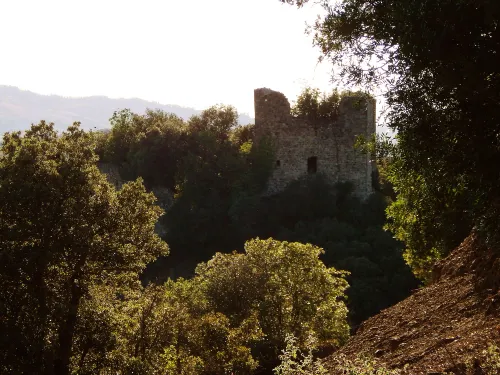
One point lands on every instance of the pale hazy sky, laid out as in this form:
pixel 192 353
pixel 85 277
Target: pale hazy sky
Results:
pixel 192 53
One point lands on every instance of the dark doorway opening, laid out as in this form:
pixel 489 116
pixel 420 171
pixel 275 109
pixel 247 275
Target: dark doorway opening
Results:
pixel 312 164
pixel 278 163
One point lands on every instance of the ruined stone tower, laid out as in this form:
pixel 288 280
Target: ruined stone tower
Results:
pixel 304 148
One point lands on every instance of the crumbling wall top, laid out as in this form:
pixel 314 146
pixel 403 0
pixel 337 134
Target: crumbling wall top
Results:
pixel 271 105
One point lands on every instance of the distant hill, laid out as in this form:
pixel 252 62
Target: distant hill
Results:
pixel 19 109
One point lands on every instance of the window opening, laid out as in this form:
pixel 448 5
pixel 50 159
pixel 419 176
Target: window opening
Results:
pixel 278 163
pixel 312 164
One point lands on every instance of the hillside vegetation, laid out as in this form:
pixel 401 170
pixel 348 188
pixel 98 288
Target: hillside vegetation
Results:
pixel 441 81
pixel 83 263
pixel 218 176
pixel 178 262
pixel 438 64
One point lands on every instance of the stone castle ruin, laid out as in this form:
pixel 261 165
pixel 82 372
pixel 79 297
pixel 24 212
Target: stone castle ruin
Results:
pixel 326 147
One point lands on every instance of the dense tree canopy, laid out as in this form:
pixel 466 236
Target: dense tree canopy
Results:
pixel 318 106
pixel 171 329
pixel 73 247
pixel 146 145
pixel 219 180
pixel 438 61
pixel 64 231
pixel 286 285
pixel 350 231
pixel 314 105
pixel 209 163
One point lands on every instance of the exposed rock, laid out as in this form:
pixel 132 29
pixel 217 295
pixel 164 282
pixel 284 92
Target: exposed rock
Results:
pixel 443 325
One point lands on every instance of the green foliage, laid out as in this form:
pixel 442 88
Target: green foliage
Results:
pixel 360 366
pixel 232 317
pixel 202 222
pixel 219 179
pixel 72 249
pixel 242 134
pixel 314 105
pixel 295 362
pixel 64 230
pixel 209 162
pixel 443 86
pixel 491 363
pixel 217 121
pixel 350 231
pixel 286 285
pixel 412 218
pixel 412 215
pixel 170 329
pixel 488 362
pixel 150 146
pixel 218 182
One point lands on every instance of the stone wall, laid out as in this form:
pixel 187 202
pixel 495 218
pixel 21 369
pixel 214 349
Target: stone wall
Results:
pixel 304 148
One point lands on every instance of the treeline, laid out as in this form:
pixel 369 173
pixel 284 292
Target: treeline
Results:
pixel 72 248
pixel 219 174
pixel 84 279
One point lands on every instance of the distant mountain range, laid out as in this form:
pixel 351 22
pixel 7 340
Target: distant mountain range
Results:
pixel 19 109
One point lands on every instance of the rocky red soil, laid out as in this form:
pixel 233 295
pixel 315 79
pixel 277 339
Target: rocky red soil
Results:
pixel 442 326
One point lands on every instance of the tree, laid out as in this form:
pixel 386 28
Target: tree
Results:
pixel 63 231
pixel 350 231
pixel 149 145
pixel 439 63
pixel 286 285
pixel 169 329
pixel 314 105
pixel 217 120
pixel 221 173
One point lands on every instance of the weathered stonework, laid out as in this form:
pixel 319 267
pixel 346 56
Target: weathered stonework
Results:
pixel 304 148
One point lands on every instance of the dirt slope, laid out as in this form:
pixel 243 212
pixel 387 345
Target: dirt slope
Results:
pixel 442 325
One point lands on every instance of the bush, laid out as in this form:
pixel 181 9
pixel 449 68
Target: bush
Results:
pixel 295 362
